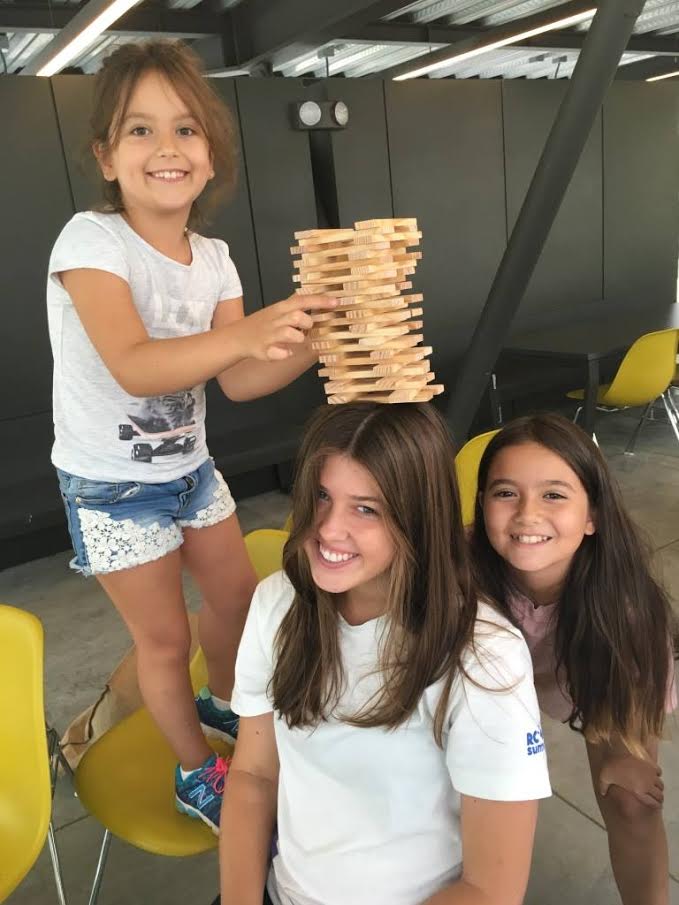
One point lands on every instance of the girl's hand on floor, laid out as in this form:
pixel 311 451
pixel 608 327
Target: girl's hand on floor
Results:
pixel 640 777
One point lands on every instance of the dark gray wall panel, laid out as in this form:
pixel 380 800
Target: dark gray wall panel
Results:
pixel 641 181
pixel 445 145
pixel 35 201
pixel 282 195
pixel 73 99
pixel 570 269
pixel 361 152
pixel 28 482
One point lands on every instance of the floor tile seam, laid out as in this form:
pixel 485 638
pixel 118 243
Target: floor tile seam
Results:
pixel 579 810
pixel 665 546
pixel 591 819
pixel 65 826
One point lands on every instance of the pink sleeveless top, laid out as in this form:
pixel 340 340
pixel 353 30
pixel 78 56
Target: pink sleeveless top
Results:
pixel 538 625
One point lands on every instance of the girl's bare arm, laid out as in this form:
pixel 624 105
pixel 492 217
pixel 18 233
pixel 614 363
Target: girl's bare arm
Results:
pixel 497 846
pixel 249 812
pixel 150 367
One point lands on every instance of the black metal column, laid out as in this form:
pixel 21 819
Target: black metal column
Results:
pixel 605 42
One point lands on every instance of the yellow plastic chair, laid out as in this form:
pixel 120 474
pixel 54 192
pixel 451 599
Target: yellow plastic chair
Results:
pixel 25 777
pixel 644 376
pixel 467 468
pixel 126 778
pixel 288 524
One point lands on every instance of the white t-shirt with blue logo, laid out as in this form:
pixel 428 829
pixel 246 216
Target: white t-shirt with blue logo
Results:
pixel 371 816
pixel 101 432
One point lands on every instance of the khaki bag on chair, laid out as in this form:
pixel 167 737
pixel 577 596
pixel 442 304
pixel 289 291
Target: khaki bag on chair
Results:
pixel 120 698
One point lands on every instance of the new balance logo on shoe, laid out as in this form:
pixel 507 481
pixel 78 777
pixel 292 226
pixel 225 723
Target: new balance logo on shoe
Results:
pixel 201 796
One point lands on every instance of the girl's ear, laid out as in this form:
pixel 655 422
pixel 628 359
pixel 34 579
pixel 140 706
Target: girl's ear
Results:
pixel 103 157
pixel 590 526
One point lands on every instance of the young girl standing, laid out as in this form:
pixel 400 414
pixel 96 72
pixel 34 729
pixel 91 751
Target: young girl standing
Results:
pixel 552 544
pixel 386 719
pixel 142 311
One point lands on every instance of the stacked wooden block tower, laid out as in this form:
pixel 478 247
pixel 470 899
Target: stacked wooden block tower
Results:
pixel 370 345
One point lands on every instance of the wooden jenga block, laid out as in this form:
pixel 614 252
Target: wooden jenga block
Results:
pixel 388 318
pixel 405 223
pixel 355 291
pixel 364 310
pixel 355 258
pixel 324 235
pixel 384 370
pixel 349 275
pixel 406 356
pixel 379 349
pixel 378 385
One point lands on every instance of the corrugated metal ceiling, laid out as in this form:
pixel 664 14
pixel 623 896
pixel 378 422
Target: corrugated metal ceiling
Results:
pixel 355 59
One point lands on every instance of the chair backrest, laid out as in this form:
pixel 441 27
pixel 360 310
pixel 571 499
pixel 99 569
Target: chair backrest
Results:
pixel 25 789
pixel 467 468
pixel 265 548
pixel 646 370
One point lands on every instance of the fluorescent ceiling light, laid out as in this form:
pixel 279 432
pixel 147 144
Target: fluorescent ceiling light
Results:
pixel 87 36
pixel 493 45
pixel 667 75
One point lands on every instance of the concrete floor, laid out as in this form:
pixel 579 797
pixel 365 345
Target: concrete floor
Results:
pixel 85 639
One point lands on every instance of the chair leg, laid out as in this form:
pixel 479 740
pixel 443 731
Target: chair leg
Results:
pixel 629 451
pixel 101 864
pixel 673 403
pixel 671 414
pixel 577 414
pixel 56 865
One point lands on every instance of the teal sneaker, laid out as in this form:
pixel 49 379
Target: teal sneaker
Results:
pixel 216 723
pixel 200 794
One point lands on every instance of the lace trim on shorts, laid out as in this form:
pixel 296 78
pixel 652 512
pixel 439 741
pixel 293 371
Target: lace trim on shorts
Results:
pixel 222 507
pixel 112 545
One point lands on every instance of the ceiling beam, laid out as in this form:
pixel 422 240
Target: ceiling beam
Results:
pixel 500 33
pixel 263 29
pixel 143 21
pixel 645 69
pixel 398 33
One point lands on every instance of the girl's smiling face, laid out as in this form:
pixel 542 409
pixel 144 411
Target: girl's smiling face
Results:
pixel 162 159
pixel 350 548
pixel 536 514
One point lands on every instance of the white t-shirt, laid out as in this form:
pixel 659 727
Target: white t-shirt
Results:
pixel 101 432
pixel 371 816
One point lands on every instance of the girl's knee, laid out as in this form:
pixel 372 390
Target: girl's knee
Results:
pixel 624 809
pixel 164 645
pixel 234 600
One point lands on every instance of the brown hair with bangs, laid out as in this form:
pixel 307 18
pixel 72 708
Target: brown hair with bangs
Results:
pixel 175 62
pixel 431 601
pixel 614 623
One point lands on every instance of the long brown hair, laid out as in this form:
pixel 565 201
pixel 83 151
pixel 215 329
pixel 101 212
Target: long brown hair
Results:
pixel 115 83
pixel 614 624
pixel 431 603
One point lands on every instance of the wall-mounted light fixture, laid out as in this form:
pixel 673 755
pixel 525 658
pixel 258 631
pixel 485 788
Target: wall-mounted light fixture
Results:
pixel 82 30
pixel 320 115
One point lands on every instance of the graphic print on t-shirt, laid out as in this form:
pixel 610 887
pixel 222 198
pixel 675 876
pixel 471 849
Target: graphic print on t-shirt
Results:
pixel 164 424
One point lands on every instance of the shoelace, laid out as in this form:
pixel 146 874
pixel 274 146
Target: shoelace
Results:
pixel 216 774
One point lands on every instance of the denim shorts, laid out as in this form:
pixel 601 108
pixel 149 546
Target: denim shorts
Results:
pixel 119 526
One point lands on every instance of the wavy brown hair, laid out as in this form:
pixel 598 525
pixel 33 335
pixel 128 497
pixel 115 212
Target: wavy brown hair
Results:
pixel 614 621
pixel 115 83
pixel 431 600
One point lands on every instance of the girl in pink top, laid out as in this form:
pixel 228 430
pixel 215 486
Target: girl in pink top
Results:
pixel 554 547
